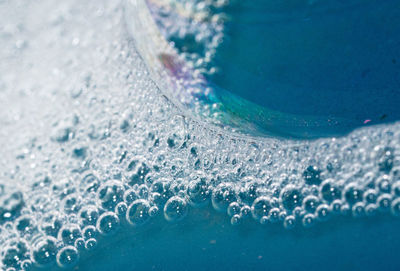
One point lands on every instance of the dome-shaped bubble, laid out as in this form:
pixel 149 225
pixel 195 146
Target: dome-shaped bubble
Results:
pixel 138 212
pixel 312 175
pixel 198 192
pixel 336 206
pixel 395 207
pixel 235 220
pixel 330 191
pixel 25 225
pixel 14 253
pixel 274 215
pixel 308 220
pixel 89 215
pixel 264 220
pixel 384 202
pixel 345 209
pixel 90 183
pixel 89 232
pixel 121 209
pixel 353 194
pixel 130 196
pixel 245 211
pixel 289 222
pixel 291 197
pixel 310 204
pixel 358 209
pixel 79 244
pixel 26 265
pixel 250 192
pixel 68 234
pixel 110 194
pixel 91 244
pixel 44 253
pixel 371 209
pixel 383 183
pixel 233 209
pixel 370 196
pixel 261 207
pixel 71 204
pixel 396 189
pixel 222 196
pixel 323 212
pixel 153 211
pixel 175 209
pixel 67 257
pixel 108 223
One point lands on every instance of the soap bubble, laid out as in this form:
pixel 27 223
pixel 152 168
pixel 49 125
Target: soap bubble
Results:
pixel 67 257
pixel 175 209
pixel 108 223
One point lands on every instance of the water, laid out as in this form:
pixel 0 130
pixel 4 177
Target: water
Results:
pixel 103 170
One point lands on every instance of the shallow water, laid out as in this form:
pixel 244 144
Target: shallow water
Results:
pixel 103 170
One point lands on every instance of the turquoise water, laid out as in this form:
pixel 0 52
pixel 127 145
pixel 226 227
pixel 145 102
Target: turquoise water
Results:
pixel 116 154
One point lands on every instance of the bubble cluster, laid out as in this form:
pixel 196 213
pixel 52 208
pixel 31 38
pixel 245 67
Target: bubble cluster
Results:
pixel 118 154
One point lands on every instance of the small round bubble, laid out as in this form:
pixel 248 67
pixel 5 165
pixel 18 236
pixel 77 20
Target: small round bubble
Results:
pixel 67 257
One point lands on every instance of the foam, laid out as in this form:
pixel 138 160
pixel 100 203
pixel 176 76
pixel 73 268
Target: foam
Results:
pixel 91 145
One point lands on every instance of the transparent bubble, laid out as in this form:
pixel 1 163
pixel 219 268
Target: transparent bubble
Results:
pixel 384 202
pixel 312 175
pixel 67 257
pixel 235 220
pixel 371 209
pixel 291 197
pixel 91 244
pixel 233 209
pixel 108 223
pixel 310 204
pixel 110 194
pixel 395 207
pixel 353 194
pixel 89 232
pixel 329 191
pixel 261 207
pixel 274 215
pixel 89 215
pixel 121 209
pixel 175 209
pixel 323 212
pixel 370 196
pixel 44 253
pixel 383 183
pixel 69 234
pixel 308 220
pixel 222 196
pixel 138 212
pixel 198 193
pixel 289 222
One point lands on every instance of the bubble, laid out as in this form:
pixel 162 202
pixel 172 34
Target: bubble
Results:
pixel 198 193
pixel 79 243
pixel 233 209
pixel 383 183
pixel 91 244
pixel 395 207
pixel 89 232
pixel 291 197
pixel 310 204
pixel 308 220
pixel 353 194
pixel 89 215
pixel 110 194
pixel 312 175
pixel 329 191
pixel 138 212
pixel 222 196
pixel 68 234
pixel 370 196
pixel 14 254
pixel 175 209
pixel 130 196
pixel 108 223
pixel 371 209
pixel 90 183
pixel 323 212
pixel 25 225
pixel 396 189
pixel 245 211
pixel 250 192
pixel 67 257
pixel 358 209
pixel 121 209
pixel 44 253
pixel 384 202
pixel 336 206
pixel 26 265
pixel 274 215
pixel 385 159
pixel 71 204
pixel 153 211
pixel 235 220
pixel 289 222
pixel 261 207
